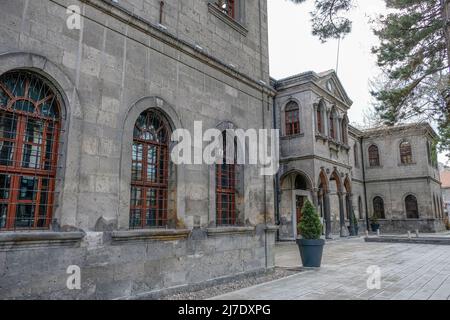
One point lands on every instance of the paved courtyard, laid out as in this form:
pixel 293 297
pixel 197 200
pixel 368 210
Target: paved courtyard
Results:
pixel 418 271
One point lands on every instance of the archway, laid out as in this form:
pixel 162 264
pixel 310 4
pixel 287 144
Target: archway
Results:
pixel 349 205
pixel 335 177
pixel 296 188
pixel 323 202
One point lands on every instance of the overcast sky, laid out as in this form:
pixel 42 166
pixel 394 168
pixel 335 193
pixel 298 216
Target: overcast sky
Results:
pixel 293 49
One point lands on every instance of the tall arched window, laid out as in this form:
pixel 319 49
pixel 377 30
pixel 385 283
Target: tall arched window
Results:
pixel 374 156
pixel 292 116
pixel 406 153
pixel 412 211
pixel 319 118
pixel 344 128
pixel 378 208
pixel 149 171
pixel 226 187
pixel 29 133
pixel 332 125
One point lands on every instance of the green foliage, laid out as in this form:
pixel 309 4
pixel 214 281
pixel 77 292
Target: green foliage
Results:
pixel 309 225
pixel 328 18
pixel 373 220
pixel 413 55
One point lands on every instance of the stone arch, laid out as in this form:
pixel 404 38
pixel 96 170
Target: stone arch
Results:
pixel 176 176
pixel 337 178
pixel 66 203
pixel 323 181
pixel 298 173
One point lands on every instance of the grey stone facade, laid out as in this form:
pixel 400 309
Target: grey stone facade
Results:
pixel 200 65
pixel 335 170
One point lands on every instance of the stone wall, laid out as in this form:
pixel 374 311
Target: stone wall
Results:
pixel 201 67
pixel 113 268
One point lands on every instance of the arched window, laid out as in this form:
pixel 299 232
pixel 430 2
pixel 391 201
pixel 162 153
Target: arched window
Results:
pixel 292 116
pixel 412 211
pixel 344 127
pixel 360 208
pixel 226 187
pixel 378 208
pixel 29 138
pixel 355 154
pixel 374 157
pixel 406 153
pixel 149 171
pixel 319 116
pixel 332 126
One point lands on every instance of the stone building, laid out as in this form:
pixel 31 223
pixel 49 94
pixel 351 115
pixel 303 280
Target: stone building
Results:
pixel 86 114
pixel 384 172
pixel 90 93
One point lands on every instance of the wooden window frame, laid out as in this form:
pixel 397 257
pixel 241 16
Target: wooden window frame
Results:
pixel 374 156
pixel 150 172
pixel 226 188
pixel 37 124
pixel 378 207
pixel 292 119
pixel 319 120
pixel 406 153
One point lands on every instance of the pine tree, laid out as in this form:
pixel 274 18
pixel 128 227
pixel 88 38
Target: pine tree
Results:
pixel 414 56
pixel 309 225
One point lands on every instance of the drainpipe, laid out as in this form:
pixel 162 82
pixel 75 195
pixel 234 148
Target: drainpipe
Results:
pixel 263 106
pixel 363 166
pixel 276 179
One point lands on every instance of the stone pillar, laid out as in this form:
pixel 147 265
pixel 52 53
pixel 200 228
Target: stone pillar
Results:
pixel 326 206
pixel 351 212
pixel 343 228
pixel 315 198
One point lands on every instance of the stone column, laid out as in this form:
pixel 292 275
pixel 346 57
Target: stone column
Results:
pixel 326 206
pixel 344 230
pixel 350 212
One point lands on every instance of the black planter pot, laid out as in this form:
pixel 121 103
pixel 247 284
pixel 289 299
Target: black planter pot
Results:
pixel 375 226
pixel 311 252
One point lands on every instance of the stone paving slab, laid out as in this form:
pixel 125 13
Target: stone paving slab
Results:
pixel 408 271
